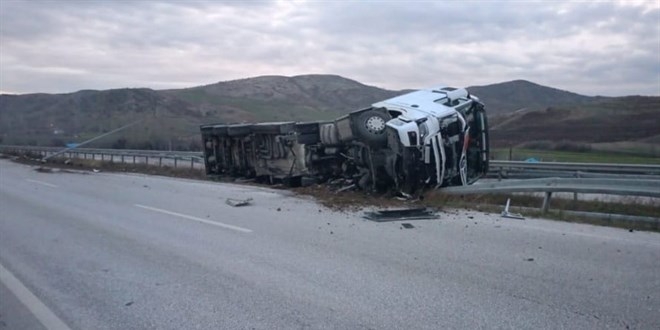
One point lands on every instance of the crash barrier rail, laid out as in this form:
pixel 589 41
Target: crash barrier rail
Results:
pixel 176 159
pixel 626 187
pixel 497 168
pixel 523 170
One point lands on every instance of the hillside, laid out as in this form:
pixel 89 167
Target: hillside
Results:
pixel 54 119
pixel 604 121
pixel 519 111
pixel 276 98
pixel 521 94
pixel 171 118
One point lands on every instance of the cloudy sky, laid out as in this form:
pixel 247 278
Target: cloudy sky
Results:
pixel 589 47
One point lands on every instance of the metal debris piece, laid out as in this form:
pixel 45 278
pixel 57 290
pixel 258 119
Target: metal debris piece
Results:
pixel 507 214
pixel 346 188
pixel 400 214
pixel 238 202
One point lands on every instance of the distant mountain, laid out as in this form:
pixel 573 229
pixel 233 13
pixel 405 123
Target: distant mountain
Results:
pixel 521 94
pixel 519 110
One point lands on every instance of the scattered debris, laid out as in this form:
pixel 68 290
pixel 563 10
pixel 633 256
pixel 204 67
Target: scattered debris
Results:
pixel 239 202
pixel 96 171
pixel 402 196
pixel 44 169
pixel 128 303
pixel 346 188
pixel 401 214
pixel 530 259
pixel 279 209
pixel 507 214
pixel 407 225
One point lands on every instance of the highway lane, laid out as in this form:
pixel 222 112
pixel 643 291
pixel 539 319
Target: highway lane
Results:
pixel 127 251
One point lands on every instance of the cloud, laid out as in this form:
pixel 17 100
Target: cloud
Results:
pixel 605 48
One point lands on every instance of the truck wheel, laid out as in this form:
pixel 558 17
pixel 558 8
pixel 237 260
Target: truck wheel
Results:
pixel 370 126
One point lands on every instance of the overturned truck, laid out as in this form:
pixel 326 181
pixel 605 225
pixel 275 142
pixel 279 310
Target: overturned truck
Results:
pixel 427 138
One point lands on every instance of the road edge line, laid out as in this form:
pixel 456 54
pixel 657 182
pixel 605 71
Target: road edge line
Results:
pixel 45 316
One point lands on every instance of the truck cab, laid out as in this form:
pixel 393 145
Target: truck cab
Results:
pixel 437 136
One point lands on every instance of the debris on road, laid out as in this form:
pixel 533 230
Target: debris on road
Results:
pixel 346 188
pixel 401 214
pixel 407 225
pixel 507 214
pixel 238 202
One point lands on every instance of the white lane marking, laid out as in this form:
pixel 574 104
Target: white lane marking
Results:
pixel 190 217
pixel 39 310
pixel 42 183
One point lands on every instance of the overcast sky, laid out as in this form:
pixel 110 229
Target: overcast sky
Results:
pixel 589 47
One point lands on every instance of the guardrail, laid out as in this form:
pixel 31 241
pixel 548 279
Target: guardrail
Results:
pixel 498 168
pixel 506 169
pixel 627 187
pixel 592 178
pixel 176 159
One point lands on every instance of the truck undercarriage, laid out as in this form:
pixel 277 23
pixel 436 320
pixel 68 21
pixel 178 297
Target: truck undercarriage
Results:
pixel 428 138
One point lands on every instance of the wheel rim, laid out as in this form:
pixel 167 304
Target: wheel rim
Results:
pixel 375 124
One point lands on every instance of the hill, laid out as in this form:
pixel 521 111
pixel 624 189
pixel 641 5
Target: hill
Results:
pixel 519 111
pixel 277 98
pixel 604 121
pixel 521 94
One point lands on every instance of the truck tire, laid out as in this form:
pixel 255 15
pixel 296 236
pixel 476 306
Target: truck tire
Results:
pixel 370 127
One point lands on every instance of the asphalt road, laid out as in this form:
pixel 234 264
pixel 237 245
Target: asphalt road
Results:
pixel 127 251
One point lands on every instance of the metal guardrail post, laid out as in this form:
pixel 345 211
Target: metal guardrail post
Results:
pixel 546 202
pixel 577 175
